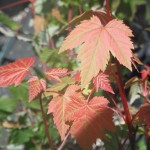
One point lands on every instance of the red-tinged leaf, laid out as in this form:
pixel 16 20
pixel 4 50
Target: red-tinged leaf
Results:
pixel 15 72
pixel 56 73
pixel 57 107
pixel 77 77
pixel 145 73
pixel 36 85
pixel 144 114
pixel 91 119
pixel 102 81
pixel 97 43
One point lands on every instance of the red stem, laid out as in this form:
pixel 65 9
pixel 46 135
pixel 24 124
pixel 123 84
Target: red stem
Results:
pixel 45 125
pixel 108 10
pixel 123 97
pixel 14 4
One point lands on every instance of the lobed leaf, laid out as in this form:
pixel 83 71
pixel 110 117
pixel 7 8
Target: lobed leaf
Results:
pixel 144 114
pixel 89 119
pixel 36 85
pixel 102 81
pixel 55 73
pixel 15 72
pixel 57 107
pixel 97 41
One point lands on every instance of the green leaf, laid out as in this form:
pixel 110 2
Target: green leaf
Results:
pixel 20 92
pixel 65 81
pixel 20 136
pixel 5 20
pixel 7 104
pixel 135 90
pixel 112 139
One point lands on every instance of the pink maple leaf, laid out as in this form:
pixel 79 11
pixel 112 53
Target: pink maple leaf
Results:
pixel 97 42
pixel 36 85
pixel 56 73
pixel 90 119
pixel 102 81
pixel 15 72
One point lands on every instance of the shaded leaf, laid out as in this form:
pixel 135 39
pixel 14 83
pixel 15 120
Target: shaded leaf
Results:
pixel 20 136
pixel 15 72
pixel 89 119
pixel 102 81
pixel 135 90
pixel 65 81
pixel 56 73
pixel 97 43
pixel 144 114
pixel 36 85
pixel 57 107
pixel 7 104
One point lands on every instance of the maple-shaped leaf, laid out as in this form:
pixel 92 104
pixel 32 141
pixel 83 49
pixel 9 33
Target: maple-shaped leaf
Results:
pixel 97 43
pixel 91 119
pixel 56 73
pixel 36 85
pixel 144 114
pixel 102 81
pixel 15 72
pixel 57 107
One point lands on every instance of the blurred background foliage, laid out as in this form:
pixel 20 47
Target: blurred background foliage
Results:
pixel 21 126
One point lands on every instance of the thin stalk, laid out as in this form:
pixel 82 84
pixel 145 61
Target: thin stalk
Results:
pixel 125 105
pixel 13 4
pixel 123 97
pixel 108 10
pixel 64 141
pixel 45 125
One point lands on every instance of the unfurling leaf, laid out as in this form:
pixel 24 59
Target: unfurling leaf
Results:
pixel 57 107
pixel 56 73
pixel 15 72
pixel 144 114
pixel 36 85
pixel 90 119
pixel 102 81
pixel 97 43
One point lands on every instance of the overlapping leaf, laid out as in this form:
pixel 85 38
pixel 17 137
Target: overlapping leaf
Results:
pixel 57 107
pixel 102 81
pixel 65 81
pixel 15 72
pixel 36 85
pixel 97 43
pixel 90 119
pixel 56 73
pixel 144 114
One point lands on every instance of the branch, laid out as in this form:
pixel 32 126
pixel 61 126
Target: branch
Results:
pixel 13 4
pixel 45 125
pixel 64 141
pixel 108 10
